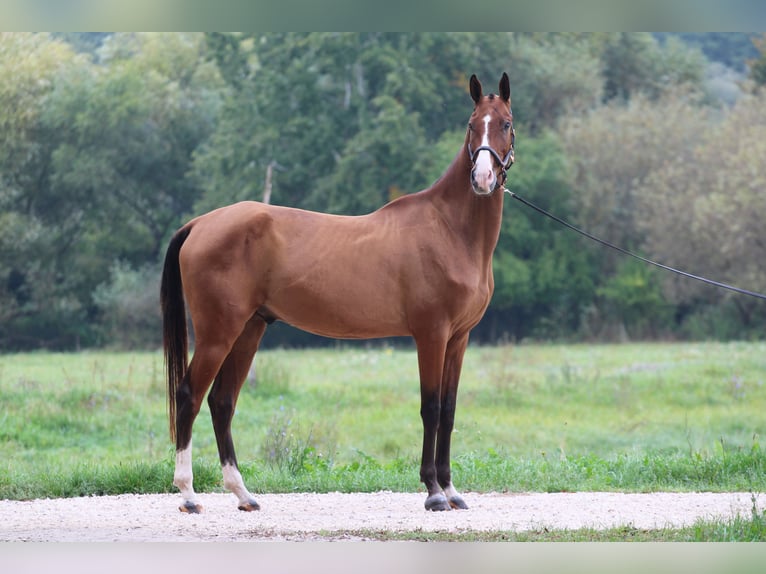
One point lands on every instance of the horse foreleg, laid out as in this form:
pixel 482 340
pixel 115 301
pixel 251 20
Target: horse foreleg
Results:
pixel 223 400
pixel 452 366
pixel 430 364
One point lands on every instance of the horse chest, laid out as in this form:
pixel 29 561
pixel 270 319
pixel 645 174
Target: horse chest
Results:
pixel 463 282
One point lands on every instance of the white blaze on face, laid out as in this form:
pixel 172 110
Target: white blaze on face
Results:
pixel 483 174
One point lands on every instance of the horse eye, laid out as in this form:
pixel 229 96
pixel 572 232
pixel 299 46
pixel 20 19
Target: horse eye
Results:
pixel 507 126
pixel 470 126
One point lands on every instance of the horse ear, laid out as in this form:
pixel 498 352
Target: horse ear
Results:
pixel 475 85
pixel 505 88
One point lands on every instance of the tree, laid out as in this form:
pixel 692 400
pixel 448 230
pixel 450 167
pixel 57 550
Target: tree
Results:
pixel 136 120
pixel 322 107
pixel 757 65
pixel 377 164
pixel 612 152
pixel 130 313
pixel 732 49
pixel 94 159
pixel 543 276
pixel 104 152
pixel 635 63
pixel 284 99
pixel 705 212
pixel 614 148
pixel 553 75
pixel 37 227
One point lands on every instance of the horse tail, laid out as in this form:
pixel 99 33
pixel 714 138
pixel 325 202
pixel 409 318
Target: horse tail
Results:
pixel 175 338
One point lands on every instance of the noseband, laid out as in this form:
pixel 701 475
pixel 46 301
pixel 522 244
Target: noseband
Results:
pixel 505 163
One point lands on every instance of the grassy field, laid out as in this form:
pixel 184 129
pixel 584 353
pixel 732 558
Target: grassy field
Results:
pixel 636 417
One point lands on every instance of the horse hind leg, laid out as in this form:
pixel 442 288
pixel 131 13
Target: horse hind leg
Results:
pixel 189 395
pixel 223 400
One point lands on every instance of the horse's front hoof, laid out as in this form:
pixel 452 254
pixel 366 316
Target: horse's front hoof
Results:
pixel 458 503
pixel 437 502
pixel 190 507
pixel 249 506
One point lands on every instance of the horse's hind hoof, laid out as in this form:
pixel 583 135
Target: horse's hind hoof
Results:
pixel 249 506
pixel 437 502
pixel 190 507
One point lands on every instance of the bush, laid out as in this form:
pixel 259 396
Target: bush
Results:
pixel 130 307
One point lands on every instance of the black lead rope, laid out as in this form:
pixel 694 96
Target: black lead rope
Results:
pixel 626 252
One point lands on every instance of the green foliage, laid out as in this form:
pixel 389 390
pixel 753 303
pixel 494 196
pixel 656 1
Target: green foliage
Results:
pixel 758 65
pixel 734 49
pixel 634 297
pixel 542 89
pixel 268 378
pixel 635 63
pixel 110 141
pixel 736 529
pixel 677 195
pixel 286 450
pixel 348 120
pixel 40 303
pixel 377 164
pixel 139 116
pixel 542 275
pixel 129 306
pixel 94 163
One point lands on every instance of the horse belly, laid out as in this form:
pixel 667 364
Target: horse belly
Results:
pixel 341 321
pixel 359 310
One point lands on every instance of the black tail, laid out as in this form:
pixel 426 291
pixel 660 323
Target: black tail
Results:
pixel 175 338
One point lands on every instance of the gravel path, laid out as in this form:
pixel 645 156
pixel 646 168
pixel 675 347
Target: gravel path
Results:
pixel 318 516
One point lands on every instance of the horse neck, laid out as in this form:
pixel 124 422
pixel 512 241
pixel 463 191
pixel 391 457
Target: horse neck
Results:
pixel 476 219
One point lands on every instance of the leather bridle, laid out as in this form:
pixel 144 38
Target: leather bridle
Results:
pixel 505 162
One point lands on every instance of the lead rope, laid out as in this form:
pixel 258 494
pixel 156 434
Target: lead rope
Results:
pixel 626 252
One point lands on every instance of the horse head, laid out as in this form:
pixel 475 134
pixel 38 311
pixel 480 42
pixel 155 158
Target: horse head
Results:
pixel 490 137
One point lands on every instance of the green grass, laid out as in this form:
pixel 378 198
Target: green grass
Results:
pixel 637 417
pixel 737 529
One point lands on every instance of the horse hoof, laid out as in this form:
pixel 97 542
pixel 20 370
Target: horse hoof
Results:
pixel 437 502
pixel 190 507
pixel 458 503
pixel 249 506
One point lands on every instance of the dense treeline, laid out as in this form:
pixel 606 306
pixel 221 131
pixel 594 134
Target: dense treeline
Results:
pixel 109 142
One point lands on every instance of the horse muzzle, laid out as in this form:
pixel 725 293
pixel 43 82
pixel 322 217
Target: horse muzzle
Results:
pixel 484 180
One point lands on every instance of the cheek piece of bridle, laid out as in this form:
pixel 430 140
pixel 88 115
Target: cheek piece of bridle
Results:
pixel 505 163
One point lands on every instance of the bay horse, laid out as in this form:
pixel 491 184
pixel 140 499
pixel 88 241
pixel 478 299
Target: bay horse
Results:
pixel 419 266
